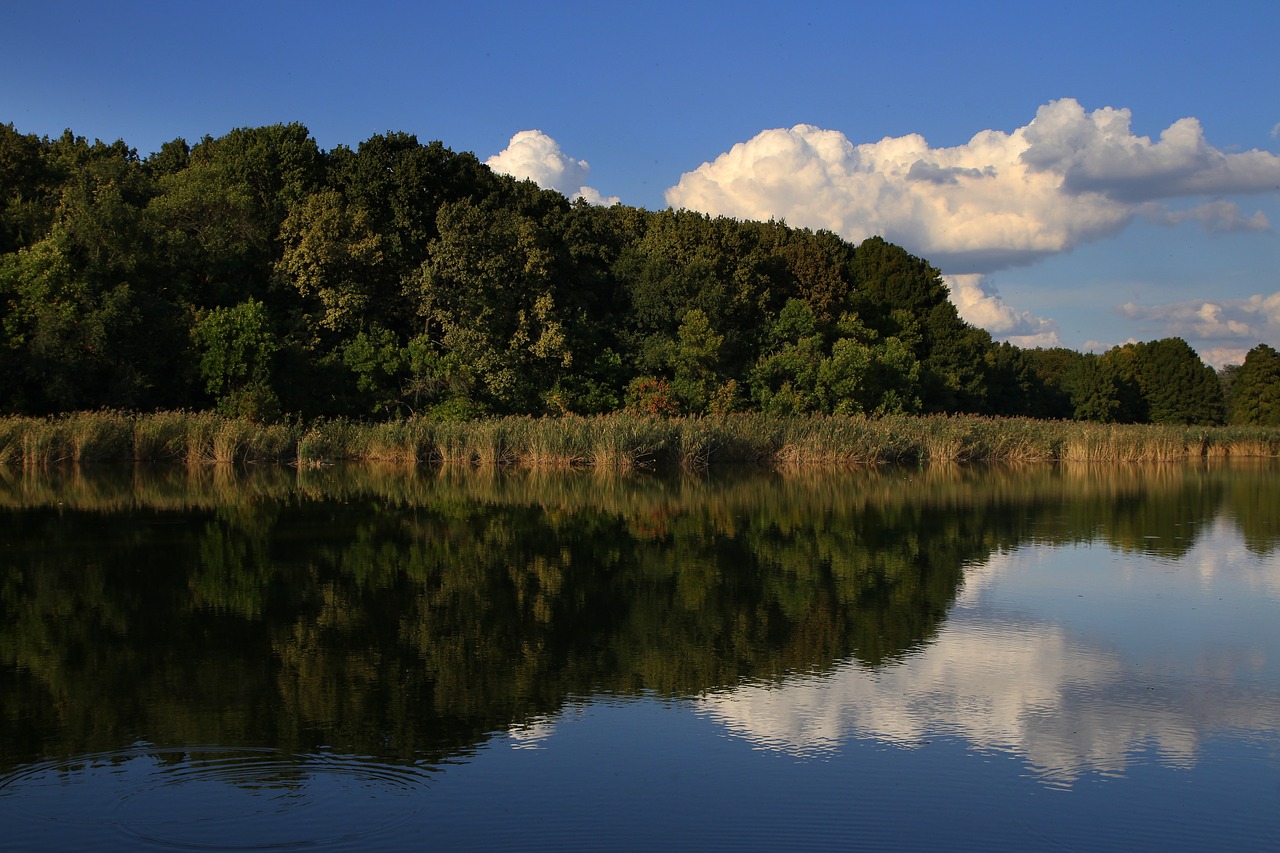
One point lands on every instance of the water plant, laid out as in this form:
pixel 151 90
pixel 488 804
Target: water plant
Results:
pixel 618 441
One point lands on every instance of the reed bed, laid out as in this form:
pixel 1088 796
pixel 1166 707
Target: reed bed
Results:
pixel 618 441
pixel 786 500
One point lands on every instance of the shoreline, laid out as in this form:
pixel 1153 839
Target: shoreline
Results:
pixel 617 441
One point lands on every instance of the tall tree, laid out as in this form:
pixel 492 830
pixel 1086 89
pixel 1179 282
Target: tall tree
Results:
pixel 28 189
pixel 1098 391
pixel 331 256
pixel 490 308
pixel 1053 368
pixel 87 322
pixel 278 166
pixel 1255 390
pixel 900 295
pixel 1177 386
pixel 236 346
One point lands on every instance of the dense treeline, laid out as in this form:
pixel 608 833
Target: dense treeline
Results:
pixel 260 275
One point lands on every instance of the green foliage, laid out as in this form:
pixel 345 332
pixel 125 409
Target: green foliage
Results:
pixel 695 363
pixel 402 278
pixel 845 370
pixel 1049 384
pixel 276 166
pixel 1096 391
pixel 28 189
pixel 330 256
pixel 377 361
pixel 76 336
pixel 595 390
pixel 1173 386
pixel 488 296
pixel 1179 387
pixel 209 241
pixel 236 348
pixel 886 277
pixel 1255 391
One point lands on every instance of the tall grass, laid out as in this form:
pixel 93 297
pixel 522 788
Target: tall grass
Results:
pixel 617 441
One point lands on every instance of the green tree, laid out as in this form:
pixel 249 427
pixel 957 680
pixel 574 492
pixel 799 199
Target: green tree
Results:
pixel 210 244
pixel 87 323
pixel 377 360
pixel 868 375
pixel 695 364
pixel 847 370
pixel 785 377
pixel 28 189
pixel 1096 391
pixel 1052 367
pixel 899 295
pixel 236 347
pixel 487 296
pixel 1255 390
pixel 330 256
pixel 1176 385
pixel 277 166
pixel 817 266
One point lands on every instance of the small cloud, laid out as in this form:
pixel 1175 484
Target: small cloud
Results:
pixel 1044 340
pixel 1254 318
pixel 979 303
pixel 593 196
pixel 1220 357
pixel 1216 216
pixel 1101 347
pixel 532 155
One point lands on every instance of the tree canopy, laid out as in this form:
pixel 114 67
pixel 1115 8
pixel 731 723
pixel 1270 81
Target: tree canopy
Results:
pixel 259 274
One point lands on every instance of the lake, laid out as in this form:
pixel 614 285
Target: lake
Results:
pixel 1034 657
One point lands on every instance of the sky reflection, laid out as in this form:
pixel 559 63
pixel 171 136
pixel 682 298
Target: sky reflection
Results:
pixel 1076 658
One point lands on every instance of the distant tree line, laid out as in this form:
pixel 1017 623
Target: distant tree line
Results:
pixel 260 275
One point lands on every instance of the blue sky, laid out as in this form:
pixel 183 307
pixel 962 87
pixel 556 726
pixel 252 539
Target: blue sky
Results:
pixel 1074 221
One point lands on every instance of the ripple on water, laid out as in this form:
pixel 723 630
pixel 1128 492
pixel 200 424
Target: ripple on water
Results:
pixel 206 797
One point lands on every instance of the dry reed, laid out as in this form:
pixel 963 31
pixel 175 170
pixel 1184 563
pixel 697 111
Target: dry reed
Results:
pixel 616 441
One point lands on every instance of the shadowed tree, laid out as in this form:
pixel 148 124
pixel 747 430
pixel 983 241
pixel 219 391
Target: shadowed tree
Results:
pixel 236 347
pixel 1176 385
pixel 488 300
pixel 1255 389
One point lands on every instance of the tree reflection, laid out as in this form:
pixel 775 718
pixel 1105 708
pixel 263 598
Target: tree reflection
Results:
pixel 409 615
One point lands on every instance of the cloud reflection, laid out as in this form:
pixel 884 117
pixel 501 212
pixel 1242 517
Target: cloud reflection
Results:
pixel 1003 682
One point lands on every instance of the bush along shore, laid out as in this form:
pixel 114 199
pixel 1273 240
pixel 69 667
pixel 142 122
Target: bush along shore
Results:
pixel 613 441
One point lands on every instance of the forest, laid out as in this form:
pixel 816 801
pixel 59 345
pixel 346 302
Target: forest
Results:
pixel 260 276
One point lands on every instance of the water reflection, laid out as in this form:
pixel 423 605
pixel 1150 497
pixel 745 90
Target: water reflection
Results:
pixel 147 795
pixel 410 618
pixel 1142 656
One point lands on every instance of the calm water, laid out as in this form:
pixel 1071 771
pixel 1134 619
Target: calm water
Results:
pixel 956 658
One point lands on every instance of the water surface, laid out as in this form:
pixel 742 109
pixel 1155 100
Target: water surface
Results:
pixel 1045 656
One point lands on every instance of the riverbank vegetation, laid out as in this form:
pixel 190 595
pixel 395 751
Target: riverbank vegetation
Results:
pixel 258 276
pixel 617 441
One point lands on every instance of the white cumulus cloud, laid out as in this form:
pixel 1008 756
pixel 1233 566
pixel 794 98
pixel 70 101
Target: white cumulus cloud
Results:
pixel 978 302
pixel 1220 357
pixel 1098 153
pixel 535 156
pixel 1000 200
pixel 1221 322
